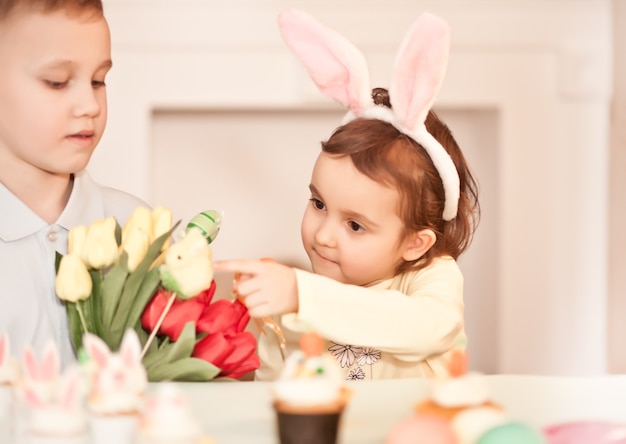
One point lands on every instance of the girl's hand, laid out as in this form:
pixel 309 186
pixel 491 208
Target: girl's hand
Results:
pixel 266 287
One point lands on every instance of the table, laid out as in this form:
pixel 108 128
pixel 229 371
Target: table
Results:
pixel 241 412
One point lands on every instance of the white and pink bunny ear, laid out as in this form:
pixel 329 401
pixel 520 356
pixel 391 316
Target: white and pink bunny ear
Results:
pixel 336 66
pixel 419 70
pixel 340 71
pixel 97 349
pixel 70 394
pixel 417 76
pixel 130 350
pixel 49 367
pixel 5 349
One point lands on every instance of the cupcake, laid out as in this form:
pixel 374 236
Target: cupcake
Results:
pixel 309 396
pixel 459 409
pixel 115 400
pixel 168 419
pixel 59 418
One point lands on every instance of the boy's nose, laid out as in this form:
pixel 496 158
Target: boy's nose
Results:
pixel 87 103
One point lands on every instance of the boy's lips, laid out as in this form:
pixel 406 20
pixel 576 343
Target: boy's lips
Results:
pixel 324 258
pixel 82 137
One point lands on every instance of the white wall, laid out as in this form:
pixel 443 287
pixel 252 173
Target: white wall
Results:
pixel 532 77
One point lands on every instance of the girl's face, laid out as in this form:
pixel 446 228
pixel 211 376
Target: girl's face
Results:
pixel 351 229
pixel 53 106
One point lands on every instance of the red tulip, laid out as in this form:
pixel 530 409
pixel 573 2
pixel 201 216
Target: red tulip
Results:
pixel 223 316
pixel 233 354
pixel 181 312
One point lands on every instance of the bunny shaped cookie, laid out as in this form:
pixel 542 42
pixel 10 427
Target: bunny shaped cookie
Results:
pixel 42 375
pixel 60 415
pixel 340 71
pixel 120 379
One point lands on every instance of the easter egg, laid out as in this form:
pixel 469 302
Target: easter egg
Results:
pixel 512 433
pixel 209 222
pixel 585 432
pixel 421 428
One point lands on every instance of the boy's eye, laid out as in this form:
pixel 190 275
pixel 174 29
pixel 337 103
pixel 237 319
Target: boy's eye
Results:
pixel 54 84
pixel 354 226
pixel 317 203
pixel 98 83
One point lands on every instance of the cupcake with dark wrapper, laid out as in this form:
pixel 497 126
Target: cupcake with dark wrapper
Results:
pixel 309 396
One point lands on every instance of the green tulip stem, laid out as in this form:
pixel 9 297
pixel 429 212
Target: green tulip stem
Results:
pixel 81 316
pixel 158 324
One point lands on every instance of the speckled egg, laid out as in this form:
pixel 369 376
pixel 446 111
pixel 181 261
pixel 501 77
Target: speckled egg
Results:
pixel 422 429
pixel 512 433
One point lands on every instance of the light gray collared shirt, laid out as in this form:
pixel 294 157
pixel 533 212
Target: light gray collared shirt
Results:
pixel 30 311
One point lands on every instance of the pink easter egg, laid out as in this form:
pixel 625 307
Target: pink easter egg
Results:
pixel 586 432
pixel 421 429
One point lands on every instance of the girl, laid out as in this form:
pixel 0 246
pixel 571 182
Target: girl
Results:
pixel 392 206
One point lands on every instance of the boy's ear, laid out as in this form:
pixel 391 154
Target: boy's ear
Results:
pixel 418 244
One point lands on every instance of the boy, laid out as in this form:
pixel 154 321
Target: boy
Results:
pixel 55 57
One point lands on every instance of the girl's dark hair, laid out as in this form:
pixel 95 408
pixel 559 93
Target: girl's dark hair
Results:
pixel 389 157
pixel 72 7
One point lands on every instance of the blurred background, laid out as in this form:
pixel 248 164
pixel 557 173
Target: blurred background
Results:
pixel 208 109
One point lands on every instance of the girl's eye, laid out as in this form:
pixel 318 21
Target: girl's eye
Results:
pixel 354 226
pixel 317 203
pixel 54 84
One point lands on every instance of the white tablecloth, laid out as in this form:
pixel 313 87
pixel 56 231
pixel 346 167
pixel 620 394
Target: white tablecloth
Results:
pixel 241 412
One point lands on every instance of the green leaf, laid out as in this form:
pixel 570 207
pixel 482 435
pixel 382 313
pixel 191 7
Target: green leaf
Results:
pixel 112 287
pixel 157 356
pixel 188 369
pixel 92 306
pixel 184 345
pixel 145 293
pixel 75 326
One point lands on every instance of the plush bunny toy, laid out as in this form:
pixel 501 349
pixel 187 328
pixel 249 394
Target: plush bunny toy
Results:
pixel 340 71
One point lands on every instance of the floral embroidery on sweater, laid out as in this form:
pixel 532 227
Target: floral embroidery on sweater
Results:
pixel 355 358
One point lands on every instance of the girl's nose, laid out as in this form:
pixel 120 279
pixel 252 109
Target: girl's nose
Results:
pixel 325 234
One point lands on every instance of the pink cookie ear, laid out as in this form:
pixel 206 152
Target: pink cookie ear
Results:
pixel 70 394
pixel 50 362
pixel 32 398
pixel 96 349
pixel 4 349
pixel 31 369
pixel 419 69
pixel 336 66
pixel 130 350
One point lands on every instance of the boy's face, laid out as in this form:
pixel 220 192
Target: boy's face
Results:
pixel 53 106
pixel 351 229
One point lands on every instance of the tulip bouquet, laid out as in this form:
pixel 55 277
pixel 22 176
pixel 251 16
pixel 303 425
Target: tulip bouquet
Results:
pixel 133 277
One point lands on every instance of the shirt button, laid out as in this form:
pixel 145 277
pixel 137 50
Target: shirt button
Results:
pixel 52 236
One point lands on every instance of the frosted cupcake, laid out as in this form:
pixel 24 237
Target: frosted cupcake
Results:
pixel 168 419
pixel 309 396
pixel 116 398
pixel 463 400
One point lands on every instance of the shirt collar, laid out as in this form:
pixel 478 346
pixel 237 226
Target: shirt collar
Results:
pixel 83 207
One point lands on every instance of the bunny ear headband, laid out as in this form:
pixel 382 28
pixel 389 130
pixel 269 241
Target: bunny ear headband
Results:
pixel 340 71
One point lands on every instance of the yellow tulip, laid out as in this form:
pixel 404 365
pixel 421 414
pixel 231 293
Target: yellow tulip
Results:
pixel 140 218
pixel 100 248
pixel 73 282
pixel 161 224
pixel 135 242
pixel 76 240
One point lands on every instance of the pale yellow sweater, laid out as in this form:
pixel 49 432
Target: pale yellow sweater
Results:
pixel 403 327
